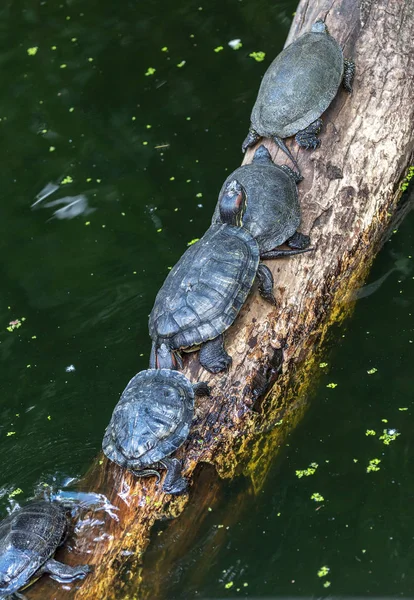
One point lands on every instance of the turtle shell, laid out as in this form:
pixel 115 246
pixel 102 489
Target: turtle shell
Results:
pixel 204 292
pixel 299 85
pixel 28 538
pixel 273 212
pixel 151 420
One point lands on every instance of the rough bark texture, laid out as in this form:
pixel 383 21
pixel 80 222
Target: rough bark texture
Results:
pixel 349 194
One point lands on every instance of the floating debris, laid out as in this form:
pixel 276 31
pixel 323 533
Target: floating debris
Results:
pixel 372 371
pixel 235 44
pixel 258 56
pixel 311 470
pixel 373 465
pixel 32 51
pixel 150 71
pixel 317 497
pixel 389 435
pixel 323 571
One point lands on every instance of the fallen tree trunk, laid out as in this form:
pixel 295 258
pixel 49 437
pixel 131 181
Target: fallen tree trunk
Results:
pixel 349 194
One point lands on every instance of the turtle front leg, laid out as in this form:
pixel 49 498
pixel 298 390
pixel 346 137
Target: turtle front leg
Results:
pixel 298 241
pixel 265 279
pixel 252 138
pixel 174 482
pixel 297 177
pixel 213 356
pixel 308 138
pixel 65 573
pixel 349 74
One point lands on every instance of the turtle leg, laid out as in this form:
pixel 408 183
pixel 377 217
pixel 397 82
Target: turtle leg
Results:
pixel 201 389
pixel 174 482
pixel 64 573
pixel 213 356
pixel 252 138
pixel 265 279
pixel 298 241
pixel 295 175
pixel 308 138
pixel 349 73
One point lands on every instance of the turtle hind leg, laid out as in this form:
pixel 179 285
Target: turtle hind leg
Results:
pixel 308 138
pixel 65 573
pixel 265 279
pixel 252 138
pixel 298 241
pixel 349 73
pixel 288 153
pixel 297 177
pixel 174 482
pixel 213 356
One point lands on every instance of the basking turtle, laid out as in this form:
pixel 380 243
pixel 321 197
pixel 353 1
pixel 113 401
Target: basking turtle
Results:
pixel 152 420
pixel 297 88
pixel 203 294
pixel 273 211
pixel 28 539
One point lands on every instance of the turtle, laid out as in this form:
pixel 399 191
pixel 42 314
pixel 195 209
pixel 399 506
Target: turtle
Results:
pixel 297 88
pixel 29 537
pixel 151 420
pixel 204 292
pixel 273 211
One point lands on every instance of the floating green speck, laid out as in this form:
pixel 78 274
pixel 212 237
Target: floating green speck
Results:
pixel 159 230
pixel 71 109
pixel 190 243
pixel 332 385
pixel 230 583
pixel 148 126
pixel 150 71
pixel 164 49
pixel 370 432
pixel 218 49
pixel 33 50
pixel 311 470
pixel 259 56
pixel 323 365
pixel 323 571
pixel 53 48
pixel 145 143
pixel 373 465
pixel 172 178
pixel 372 371
pixel 74 39
pixel 181 64
pixel 87 223
pixel 388 436
pixel 15 492
pixel 326 584
pixel 67 179
pixel 317 497
pixel 9 433
pixel 90 59
pixel 199 195
pixel 63 66
pixel 52 149
pixel 49 418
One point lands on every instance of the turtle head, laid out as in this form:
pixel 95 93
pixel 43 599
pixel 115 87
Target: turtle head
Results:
pixel 233 204
pixel 319 27
pixel 262 155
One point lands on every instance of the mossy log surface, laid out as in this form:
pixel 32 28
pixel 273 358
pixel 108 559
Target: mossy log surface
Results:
pixel 349 196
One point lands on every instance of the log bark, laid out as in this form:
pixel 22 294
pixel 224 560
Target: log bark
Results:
pixel 349 195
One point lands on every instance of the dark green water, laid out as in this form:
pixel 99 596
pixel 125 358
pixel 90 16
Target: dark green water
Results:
pixel 83 265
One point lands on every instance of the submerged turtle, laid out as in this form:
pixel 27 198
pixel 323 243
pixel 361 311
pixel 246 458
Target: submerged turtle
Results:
pixel 28 539
pixel 204 292
pixel 152 420
pixel 297 88
pixel 273 211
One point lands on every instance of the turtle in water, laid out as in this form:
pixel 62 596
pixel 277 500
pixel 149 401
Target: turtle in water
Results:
pixel 273 211
pixel 151 420
pixel 297 88
pixel 28 539
pixel 204 292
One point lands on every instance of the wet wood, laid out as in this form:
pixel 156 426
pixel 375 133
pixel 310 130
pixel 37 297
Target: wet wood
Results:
pixel 350 192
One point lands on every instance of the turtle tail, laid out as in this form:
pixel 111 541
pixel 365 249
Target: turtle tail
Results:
pixel 163 357
pixel 286 150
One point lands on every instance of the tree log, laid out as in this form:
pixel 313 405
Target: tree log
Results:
pixel 351 189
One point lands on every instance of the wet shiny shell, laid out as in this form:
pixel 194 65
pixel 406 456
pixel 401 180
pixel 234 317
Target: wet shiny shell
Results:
pixel 298 86
pixel 273 212
pixel 206 289
pixel 28 538
pixel 151 420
